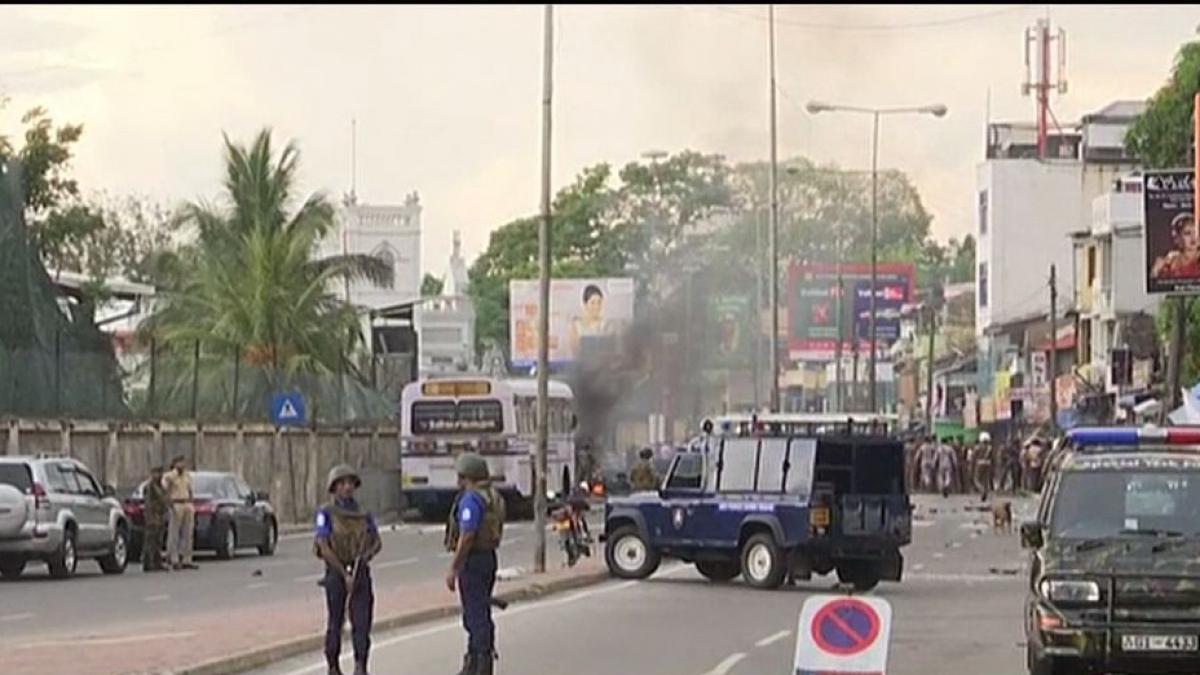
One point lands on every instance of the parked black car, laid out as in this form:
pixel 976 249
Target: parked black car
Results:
pixel 229 516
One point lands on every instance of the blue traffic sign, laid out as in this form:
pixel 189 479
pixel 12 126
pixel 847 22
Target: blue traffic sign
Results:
pixel 287 409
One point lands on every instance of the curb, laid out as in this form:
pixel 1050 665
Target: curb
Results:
pixel 264 656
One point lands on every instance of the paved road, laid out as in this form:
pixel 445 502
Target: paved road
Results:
pixel 958 610
pixel 93 603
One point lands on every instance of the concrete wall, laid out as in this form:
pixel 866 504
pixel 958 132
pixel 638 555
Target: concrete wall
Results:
pixel 290 464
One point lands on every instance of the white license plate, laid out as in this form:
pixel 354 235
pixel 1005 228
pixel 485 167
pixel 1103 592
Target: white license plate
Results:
pixel 1160 643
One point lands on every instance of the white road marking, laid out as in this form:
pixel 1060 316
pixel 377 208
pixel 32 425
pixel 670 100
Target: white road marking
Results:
pixel 100 640
pixel 261 584
pixel 519 609
pixel 17 617
pixel 770 639
pixel 156 598
pixel 727 665
pixel 393 563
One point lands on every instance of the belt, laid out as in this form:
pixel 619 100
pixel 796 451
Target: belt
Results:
pixel 181 501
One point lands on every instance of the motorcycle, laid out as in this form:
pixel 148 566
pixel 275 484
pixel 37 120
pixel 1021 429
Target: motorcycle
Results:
pixel 572 540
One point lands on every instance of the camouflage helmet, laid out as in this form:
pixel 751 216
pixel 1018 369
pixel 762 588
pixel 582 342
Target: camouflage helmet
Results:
pixel 342 471
pixel 471 465
pixel 645 453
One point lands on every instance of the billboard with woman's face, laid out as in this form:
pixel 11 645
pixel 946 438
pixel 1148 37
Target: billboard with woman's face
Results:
pixel 1172 237
pixel 582 311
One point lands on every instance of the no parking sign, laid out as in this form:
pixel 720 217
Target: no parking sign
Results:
pixel 843 634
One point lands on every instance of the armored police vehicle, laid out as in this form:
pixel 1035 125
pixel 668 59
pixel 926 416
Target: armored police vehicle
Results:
pixel 772 498
pixel 1114 581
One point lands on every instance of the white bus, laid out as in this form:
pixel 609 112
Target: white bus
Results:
pixel 444 417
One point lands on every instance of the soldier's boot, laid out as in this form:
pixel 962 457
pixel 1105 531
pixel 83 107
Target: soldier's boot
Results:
pixel 360 668
pixel 334 668
pixel 486 664
pixel 470 664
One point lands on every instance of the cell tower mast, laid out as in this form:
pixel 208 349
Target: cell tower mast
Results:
pixel 1039 41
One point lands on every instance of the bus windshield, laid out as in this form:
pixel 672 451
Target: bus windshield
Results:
pixel 442 417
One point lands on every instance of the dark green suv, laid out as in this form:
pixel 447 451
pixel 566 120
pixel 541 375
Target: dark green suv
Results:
pixel 1114 582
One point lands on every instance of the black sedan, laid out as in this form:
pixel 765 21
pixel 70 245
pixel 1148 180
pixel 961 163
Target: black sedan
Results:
pixel 229 516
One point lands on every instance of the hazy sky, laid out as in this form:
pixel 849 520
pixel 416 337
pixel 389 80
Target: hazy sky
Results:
pixel 448 98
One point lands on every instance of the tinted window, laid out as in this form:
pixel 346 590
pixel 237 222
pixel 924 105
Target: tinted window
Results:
pixel 738 459
pixel 59 480
pixel 16 475
pixel 688 473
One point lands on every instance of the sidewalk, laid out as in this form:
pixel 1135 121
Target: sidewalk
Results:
pixel 229 642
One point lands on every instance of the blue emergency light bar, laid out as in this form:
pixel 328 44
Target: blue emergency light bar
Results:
pixel 1134 435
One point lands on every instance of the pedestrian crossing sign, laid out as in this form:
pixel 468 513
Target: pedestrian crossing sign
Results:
pixel 287 409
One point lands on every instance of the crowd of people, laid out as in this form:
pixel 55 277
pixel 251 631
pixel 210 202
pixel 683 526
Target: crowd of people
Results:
pixel 952 466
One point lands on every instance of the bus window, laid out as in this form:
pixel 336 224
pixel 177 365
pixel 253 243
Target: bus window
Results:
pixel 480 416
pixel 431 417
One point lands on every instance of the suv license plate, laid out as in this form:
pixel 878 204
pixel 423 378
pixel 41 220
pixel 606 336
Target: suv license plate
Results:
pixel 1160 643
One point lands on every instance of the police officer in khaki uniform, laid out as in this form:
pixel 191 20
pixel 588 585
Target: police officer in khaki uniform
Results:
pixel 181 532
pixel 347 539
pixel 642 476
pixel 473 534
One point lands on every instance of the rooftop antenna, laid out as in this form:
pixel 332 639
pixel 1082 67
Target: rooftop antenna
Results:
pixel 1038 41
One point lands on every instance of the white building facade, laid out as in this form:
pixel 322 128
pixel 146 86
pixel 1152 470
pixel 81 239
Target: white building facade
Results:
pixel 446 324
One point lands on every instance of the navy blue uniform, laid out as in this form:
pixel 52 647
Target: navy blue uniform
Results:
pixel 362 600
pixel 476 580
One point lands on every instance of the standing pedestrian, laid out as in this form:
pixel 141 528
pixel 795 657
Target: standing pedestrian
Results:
pixel 156 509
pixel 983 465
pixel 473 534
pixel 182 531
pixel 347 539
pixel 946 467
pixel 928 460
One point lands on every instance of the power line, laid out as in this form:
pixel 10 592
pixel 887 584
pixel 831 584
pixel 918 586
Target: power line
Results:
pixel 915 25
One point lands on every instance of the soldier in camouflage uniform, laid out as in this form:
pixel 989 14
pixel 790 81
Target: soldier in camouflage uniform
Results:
pixel 642 476
pixel 473 534
pixel 155 511
pixel 347 539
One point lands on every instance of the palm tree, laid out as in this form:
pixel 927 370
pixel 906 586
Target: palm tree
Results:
pixel 252 285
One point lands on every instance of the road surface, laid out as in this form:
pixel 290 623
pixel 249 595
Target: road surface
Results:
pixel 957 611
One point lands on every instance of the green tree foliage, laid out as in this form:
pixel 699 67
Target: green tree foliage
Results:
pixel 1161 138
pixel 251 281
pixel 432 286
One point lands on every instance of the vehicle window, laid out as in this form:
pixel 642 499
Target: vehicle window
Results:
pixel 802 457
pixel 1094 504
pixel 243 490
pixel 87 484
pixel 443 417
pixel 206 486
pixel 16 475
pixel 738 459
pixel 688 473
pixel 60 481
pixel 770 464
pixel 486 416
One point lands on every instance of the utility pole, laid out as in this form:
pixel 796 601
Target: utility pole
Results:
pixel 758 303
pixel 1051 371
pixel 932 327
pixel 841 292
pixel 773 234
pixel 543 371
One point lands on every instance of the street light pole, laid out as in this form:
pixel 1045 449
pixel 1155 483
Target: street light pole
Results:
pixel 874 253
pixel 937 110
pixel 543 370
pixel 773 234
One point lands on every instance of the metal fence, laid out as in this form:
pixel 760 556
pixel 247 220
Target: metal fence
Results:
pixel 148 381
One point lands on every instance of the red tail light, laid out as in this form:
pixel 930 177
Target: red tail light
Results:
pixel 205 507
pixel 133 509
pixel 40 498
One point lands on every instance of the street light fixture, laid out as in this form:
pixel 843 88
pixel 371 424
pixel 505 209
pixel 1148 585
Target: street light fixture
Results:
pixel 935 109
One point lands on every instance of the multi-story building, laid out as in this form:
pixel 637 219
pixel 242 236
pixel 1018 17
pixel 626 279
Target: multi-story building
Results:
pixel 1028 208
pixel 1114 310
pixel 446 323
pixel 393 234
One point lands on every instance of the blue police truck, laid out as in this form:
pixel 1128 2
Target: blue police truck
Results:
pixel 774 498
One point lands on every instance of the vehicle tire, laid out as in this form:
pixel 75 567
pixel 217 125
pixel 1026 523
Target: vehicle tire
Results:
pixel 268 546
pixel 628 554
pixel 64 561
pixel 718 570
pixel 763 564
pixel 118 557
pixel 226 540
pixel 863 574
pixel 11 569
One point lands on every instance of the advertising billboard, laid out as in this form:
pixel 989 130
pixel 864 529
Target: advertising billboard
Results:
pixel 583 312
pixel 1172 240
pixel 731 327
pixel 813 307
